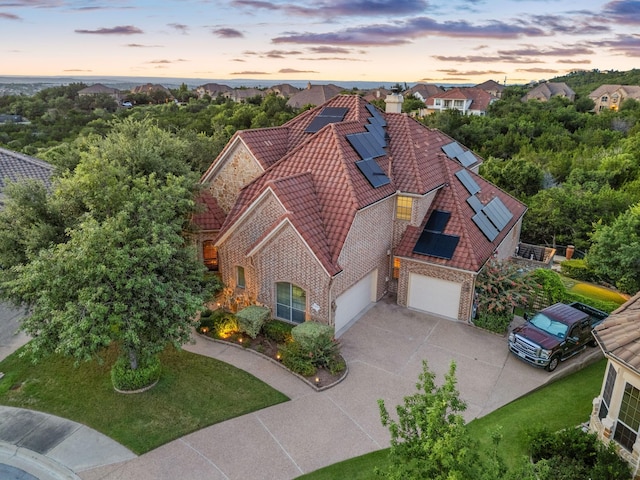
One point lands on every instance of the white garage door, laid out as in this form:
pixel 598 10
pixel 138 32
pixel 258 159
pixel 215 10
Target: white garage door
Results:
pixel 354 301
pixel 434 296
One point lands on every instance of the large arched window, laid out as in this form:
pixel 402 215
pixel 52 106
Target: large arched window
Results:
pixel 210 254
pixel 291 302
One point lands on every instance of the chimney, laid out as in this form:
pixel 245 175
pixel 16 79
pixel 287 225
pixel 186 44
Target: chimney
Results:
pixel 393 102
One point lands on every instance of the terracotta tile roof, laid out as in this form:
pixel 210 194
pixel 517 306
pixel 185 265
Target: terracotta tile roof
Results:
pixel 314 95
pixel 473 249
pixel 619 334
pixel 209 216
pixel 15 166
pixel 480 99
pixel 322 188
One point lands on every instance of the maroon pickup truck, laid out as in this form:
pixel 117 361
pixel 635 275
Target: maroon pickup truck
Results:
pixel 555 333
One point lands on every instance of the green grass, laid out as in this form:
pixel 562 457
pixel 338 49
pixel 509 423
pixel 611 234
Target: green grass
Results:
pixel 564 403
pixel 594 291
pixel 194 392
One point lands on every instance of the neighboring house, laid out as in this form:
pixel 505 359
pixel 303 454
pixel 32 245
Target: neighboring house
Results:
pixel 149 88
pixel 212 90
pixel 242 94
pixel 344 204
pixel 283 90
pixel 15 166
pixel 545 91
pixel 492 87
pixel 314 95
pixel 99 89
pixel 616 411
pixel 610 97
pixel 376 94
pixel 468 100
pixel 423 91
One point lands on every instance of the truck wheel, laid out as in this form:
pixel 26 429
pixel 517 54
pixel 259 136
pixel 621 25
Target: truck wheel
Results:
pixel 553 363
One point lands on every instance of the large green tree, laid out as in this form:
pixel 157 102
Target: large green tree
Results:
pixel 615 252
pixel 430 438
pixel 123 273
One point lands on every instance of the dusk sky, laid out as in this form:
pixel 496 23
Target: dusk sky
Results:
pixel 455 41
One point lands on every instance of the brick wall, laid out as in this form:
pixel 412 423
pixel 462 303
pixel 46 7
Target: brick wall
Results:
pixel 237 170
pixel 420 207
pixel 366 247
pixel 465 278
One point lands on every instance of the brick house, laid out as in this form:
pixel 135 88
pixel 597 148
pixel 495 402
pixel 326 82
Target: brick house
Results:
pixel 467 100
pixel 344 204
pixel 610 97
pixel 616 411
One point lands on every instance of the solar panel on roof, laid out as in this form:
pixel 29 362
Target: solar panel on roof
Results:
pixel 467 158
pixel 373 173
pixel 365 145
pixel 325 117
pixel 436 244
pixel 378 134
pixel 468 182
pixel 452 149
pixel 485 226
pixel 377 115
pixel 437 221
pixel 498 213
pixel 475 203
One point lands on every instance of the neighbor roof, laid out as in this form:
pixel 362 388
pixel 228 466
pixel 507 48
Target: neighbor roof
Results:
pixel 314 95
pixel 321 187
pixel 15 166
pixel 619 335
pixel 480 99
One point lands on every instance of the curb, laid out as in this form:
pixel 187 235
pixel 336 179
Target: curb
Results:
pixel 265 357
pixel 34 463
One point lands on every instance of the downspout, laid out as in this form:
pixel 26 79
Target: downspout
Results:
pixel 330 305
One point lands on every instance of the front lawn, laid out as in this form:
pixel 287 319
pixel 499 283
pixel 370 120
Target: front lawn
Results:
pixel 194 392
pixel 562 404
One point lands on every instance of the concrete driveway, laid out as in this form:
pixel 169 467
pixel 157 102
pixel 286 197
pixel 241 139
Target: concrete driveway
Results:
pixel 384 352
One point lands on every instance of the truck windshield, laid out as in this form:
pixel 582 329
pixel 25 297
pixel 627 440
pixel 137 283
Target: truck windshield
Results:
pixel 548 325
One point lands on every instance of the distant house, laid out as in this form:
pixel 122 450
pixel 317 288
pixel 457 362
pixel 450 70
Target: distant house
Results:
pixel 99 89
pixel 467 100
pixel 15 167
pixel 492 87
pixel 149 88
pixel 212 90
pixel 376 94
pixel 242 94
pixel 314 95
pixel 283 90
pixel 616 411
pixel 344 204
pixel 547 90
pixel 423 91
pixel 610 97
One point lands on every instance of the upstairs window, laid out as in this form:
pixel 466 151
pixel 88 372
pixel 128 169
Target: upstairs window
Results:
pixel 404 206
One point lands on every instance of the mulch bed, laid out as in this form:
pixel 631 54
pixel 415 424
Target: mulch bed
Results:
pixel 321 380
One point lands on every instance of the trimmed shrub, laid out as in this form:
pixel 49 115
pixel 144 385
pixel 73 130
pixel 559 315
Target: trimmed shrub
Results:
pixel 296 359
pixel 595 303
pixel 312 335
pixel 251 319
pixel 552 285
pixel 573 454
pixel 218 323
pixel 125 379
pixel 577 269
pixel 497 323
pixel 278 331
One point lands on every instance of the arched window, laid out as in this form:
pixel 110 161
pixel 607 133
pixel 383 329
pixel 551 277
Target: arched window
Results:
pixel 291 302
pixel 210 254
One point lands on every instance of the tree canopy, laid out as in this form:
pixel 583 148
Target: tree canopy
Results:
pixel 122 272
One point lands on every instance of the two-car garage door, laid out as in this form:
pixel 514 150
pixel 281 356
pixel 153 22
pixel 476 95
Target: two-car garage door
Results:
pixel 433 295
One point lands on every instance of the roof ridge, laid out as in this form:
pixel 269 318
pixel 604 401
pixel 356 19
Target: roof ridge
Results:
pixel 27 158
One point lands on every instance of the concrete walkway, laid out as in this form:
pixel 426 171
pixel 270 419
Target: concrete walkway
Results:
pixel 384 351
